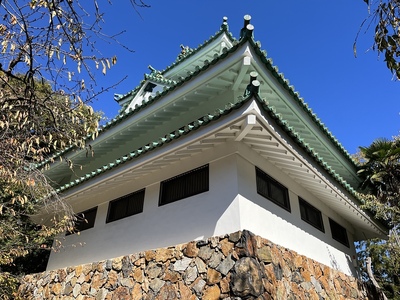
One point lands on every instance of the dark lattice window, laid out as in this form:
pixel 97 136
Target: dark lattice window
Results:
pixel 272 189
pixel 84 220
pixel 125 206
pixel 311 215
pixel 184 185
pixel 339 233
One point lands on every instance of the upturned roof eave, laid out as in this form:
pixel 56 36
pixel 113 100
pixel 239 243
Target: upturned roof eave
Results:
pixel 124 114
pixel 268 64
pixel 210 117
pixel 203 122
pixel 296 96
pixel 224 29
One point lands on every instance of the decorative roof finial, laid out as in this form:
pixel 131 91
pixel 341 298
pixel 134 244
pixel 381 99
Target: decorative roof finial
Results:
pixel 224 23
pixel 247 27
pixel 247 19
pixel 117 97
pixel 155 72
pixel 254 86
pixel 253 76
pixel 185 50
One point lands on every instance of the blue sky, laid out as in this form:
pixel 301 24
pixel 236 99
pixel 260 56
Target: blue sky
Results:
pixel 310 41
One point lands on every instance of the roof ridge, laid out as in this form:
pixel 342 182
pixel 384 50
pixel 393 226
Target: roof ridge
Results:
pixel 223 29
pixel 247 35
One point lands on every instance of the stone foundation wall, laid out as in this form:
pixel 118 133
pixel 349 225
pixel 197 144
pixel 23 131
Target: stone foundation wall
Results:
pixel 235 266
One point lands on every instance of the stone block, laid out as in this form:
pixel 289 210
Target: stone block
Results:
pixel 167 292
pixel 246 278
pixel 172 276
pixel 226 265
pixel 117 263
pixel 181 265
pixel 226 246
pixel 137 292
pixel 138 275
pixel 149 255
pixel 191 249
pixel 153 270
pixel 201 266
pixel 190 274
pixel 224 284
pixel 163 254
pixel 77 290
pixel 121 293
pixel 235 266
pixel 205 252
pixel 264 254
pixel 211 293
pixel 156 284
pixel 213 276
pixel 235 236
pixel 198 286
pixel 215 259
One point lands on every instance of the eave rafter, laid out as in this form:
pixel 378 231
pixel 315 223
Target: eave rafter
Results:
pixel 249 123
pixel 242 73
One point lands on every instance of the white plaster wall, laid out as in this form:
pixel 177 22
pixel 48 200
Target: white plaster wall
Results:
pixel 262 217
pixel 231 204
pixel 211 213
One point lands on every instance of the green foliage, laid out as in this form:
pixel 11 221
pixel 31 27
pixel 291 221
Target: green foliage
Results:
pixel 385 264
pixel 380 172
pixel 385 15
pixel 46 82
pixel 8 286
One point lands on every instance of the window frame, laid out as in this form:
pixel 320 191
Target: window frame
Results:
pixel 270 181
pixel 306 218
pixel 336 226
pixel 82 221
pixel 125 200
pixel 203 170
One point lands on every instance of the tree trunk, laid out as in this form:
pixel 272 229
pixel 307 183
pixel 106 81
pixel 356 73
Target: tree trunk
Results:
pixel 374 282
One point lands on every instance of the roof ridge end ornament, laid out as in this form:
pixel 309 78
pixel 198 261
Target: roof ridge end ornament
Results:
pixel 117 97
pixel 155 72
pixel 247 30
pixel 253 87
pixel 224 25
pixel 185 51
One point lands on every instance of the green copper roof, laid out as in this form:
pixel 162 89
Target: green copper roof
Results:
pixel 290 88
pixel 153 145
pixel 173 84
pixel 223 29
pixel 203 121
pixel 247 36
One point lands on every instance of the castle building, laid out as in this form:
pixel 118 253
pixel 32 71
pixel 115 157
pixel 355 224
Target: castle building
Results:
pixel 215 143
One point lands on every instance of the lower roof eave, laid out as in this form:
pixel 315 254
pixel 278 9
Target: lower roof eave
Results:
pixel 248 125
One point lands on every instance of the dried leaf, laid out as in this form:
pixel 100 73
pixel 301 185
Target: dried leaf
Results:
pixel 104 68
